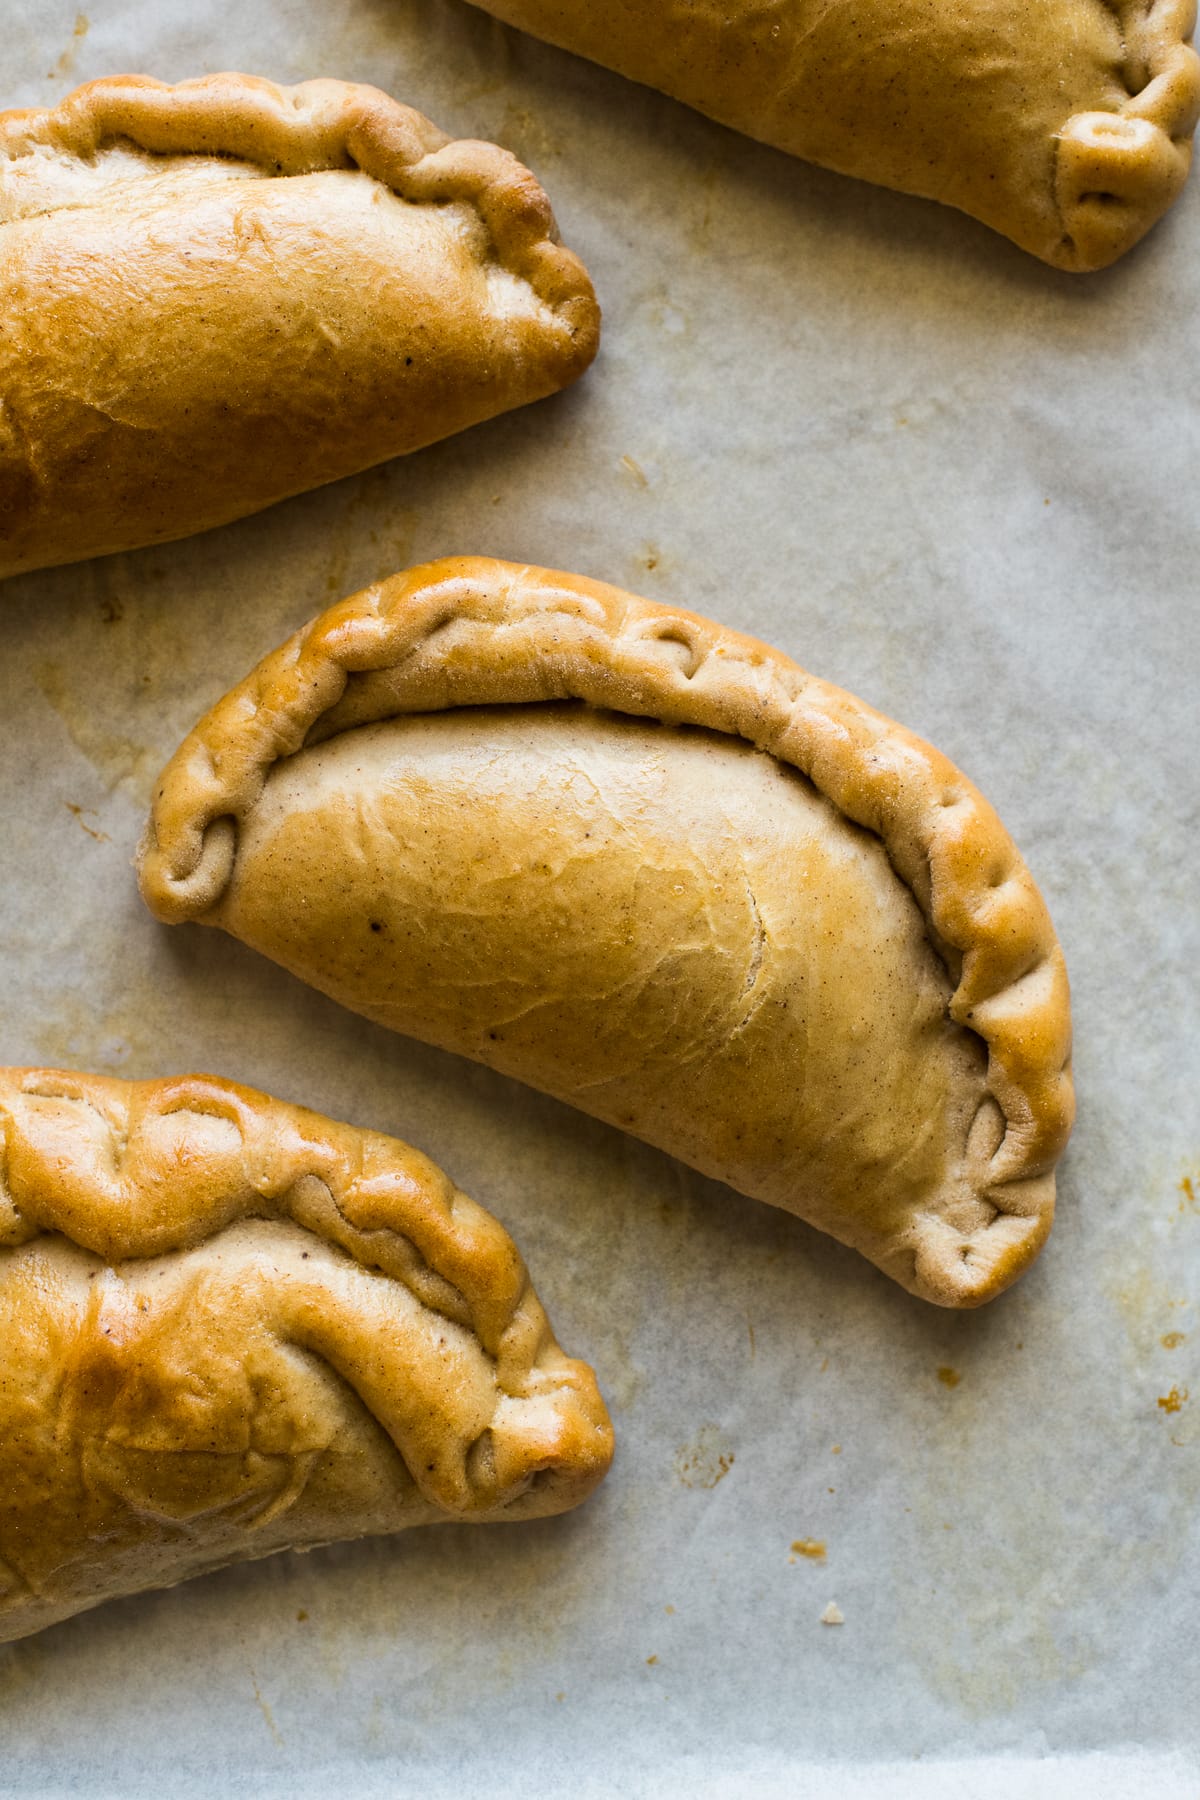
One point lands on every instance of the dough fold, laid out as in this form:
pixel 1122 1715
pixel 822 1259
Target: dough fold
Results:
pixel 217 295
pixel 1064 124
pixel 229 1326
pixel 654 868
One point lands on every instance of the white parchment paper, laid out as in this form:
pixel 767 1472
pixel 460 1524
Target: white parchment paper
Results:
pixel 957 483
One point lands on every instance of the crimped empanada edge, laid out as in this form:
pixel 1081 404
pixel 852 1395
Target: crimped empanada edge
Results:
pixel 1117 173
pixel 470 631
pixel 372 1197
pixel 327 124
pixel 1112 172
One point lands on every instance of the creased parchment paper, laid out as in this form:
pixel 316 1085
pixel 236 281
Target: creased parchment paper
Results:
pixel 957 483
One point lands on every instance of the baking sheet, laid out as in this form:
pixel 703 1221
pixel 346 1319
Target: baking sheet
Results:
pixel 961 485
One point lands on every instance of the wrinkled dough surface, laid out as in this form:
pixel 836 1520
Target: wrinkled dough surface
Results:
pixel 184 340
pixel 158 1409
pixel 229 1327
pixel 964 101
pixel 661 926
pixel 875 90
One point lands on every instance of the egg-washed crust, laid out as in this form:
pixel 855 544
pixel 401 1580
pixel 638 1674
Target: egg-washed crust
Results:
pixel 315 126
pixel 135 1170
pixel 1113 170
pixel 183 352
pixel 473 632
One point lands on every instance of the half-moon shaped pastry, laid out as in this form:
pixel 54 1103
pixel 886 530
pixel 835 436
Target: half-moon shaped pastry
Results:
pixel 653 868
pixel 218 294
pixel 1065 124
pixel 229 1326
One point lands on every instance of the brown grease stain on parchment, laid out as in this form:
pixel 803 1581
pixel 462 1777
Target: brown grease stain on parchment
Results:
pixel 367 519
pixel 115 757
pixel 1016 1607
pixel 811 1549
pixel 977 1591
pixel 119 641
pixel 267 1714
pixel 66 62
pixel 526 1589
pixel 81 815
pixel 706 1461
pixel 77 1036
pixel 1154 1299
pixel 526 135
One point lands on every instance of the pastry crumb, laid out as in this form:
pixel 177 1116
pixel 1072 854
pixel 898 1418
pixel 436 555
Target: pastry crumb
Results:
pixel 813 1548
pixel 833 1614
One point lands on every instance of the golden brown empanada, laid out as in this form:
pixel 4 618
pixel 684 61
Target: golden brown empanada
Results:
pixel 218 294
pixel 1065 124
pixel 655 869
pixel 230 1327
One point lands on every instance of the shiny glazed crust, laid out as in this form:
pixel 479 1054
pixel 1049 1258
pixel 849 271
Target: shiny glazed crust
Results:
pixel 471 632
pixel 960 103
pixel 117 438
pixel 160 1243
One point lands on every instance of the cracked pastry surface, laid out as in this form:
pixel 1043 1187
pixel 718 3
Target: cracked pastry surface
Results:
pixel 655 869
pixel 1064 124
pixel 229 1326
pixel 219 294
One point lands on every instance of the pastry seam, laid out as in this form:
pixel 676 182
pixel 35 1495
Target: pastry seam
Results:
pixel 1116 172
pixel 512 625
pixel 508 1324
pixel 267 1196
pixel 321 125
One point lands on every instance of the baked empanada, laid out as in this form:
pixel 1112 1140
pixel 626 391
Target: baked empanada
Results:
pixel 218 294
pixel 653 868
pixel 1064 124
pixel 230 1327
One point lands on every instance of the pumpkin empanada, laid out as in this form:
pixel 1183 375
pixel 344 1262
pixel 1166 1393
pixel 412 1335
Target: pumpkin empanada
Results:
pixel 653 868
pixel 230 1327
pixel 1064 124
pixel 218 294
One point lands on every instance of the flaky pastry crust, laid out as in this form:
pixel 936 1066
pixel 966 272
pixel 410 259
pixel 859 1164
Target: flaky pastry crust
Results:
pixel 231 1326
pixel 1064 124
pixel 471 633
pixel 219 294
